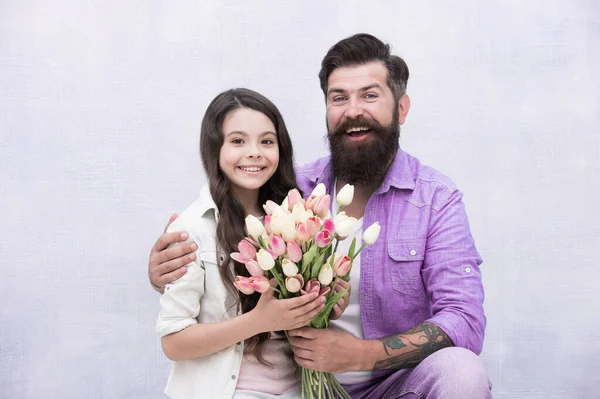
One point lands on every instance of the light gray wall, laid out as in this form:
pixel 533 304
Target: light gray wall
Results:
pixel 100 108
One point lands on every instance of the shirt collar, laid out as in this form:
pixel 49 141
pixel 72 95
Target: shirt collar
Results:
pixel 206 202
pixel 399 174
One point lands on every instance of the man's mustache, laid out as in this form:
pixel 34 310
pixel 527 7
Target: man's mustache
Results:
pixel 355 123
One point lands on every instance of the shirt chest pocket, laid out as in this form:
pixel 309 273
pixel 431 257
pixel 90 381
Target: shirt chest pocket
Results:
pixel 406 260
pixel 213 284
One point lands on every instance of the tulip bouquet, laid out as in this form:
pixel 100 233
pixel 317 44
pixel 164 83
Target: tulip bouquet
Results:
pixel 296 244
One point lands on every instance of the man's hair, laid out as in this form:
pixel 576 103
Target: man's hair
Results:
pixel 361 49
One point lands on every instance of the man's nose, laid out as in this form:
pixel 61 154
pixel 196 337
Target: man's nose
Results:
pixel 354 110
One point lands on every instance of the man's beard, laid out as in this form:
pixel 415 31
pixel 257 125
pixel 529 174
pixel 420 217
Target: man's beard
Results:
pixel 364 162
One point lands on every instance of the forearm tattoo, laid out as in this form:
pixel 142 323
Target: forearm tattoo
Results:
pixel 414 345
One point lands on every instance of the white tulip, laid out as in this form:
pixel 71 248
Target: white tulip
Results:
pixel 299 213
pixel 319 190
pixel 325 274
pixel 344 227
pixel 265 259
pixel 288 233
pixel 344 197
pixel 294 283
pixel 289 268
pixel 371 234
pixel 276 223
pixel 254 227
pixel 284 204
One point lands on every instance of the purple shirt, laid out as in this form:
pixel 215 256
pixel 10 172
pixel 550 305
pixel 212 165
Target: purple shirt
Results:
pixel 424 266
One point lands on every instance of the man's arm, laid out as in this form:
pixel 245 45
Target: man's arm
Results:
pixel 336 351
pixel 408 349
pixel 167 264
pixel 453 281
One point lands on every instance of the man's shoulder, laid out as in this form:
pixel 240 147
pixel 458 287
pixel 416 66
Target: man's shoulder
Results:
pixel 313 169
pixel 432 186
pixel 309 174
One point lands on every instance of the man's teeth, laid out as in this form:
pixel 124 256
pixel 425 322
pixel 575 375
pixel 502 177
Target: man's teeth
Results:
pixel 357 129
pixel 252 169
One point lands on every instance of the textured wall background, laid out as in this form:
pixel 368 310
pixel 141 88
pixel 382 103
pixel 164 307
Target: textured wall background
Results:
pixel 100 108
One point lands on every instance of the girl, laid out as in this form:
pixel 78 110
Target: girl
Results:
pixel 223 343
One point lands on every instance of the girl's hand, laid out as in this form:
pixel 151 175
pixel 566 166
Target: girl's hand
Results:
pixel 342 304
pixel 272 314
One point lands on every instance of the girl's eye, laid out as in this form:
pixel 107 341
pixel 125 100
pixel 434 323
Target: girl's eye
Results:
pixel 268 142
pixel 237 141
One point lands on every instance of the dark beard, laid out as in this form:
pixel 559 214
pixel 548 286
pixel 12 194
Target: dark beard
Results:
pixel 364 163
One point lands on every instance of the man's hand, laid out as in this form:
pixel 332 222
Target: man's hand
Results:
pixel 342 304
pixel 168 264
pixel 329 349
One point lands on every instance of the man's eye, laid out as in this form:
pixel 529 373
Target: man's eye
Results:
pixel 338 99
pixel 370 96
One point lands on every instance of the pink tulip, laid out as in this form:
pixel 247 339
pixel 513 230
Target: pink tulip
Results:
pixel 267 222
pixel 313 285
pixel 341 266
pixel 323 238
pixel 294 197
pixel 301 232
pixel 322 206
pixel 247 252
pixel 313 225
pixel 254 268
pixel 252 241
pixel 310 202
pixel 273 254
pixel 294 283
pixel 238 257
pixel 269 207
pixel 243 284
pixel 294 252
pixel 277 245
pixel 328 225
pixel 259 283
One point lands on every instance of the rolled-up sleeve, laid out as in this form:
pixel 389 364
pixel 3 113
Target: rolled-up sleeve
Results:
pixel 180 303
pixel 452 276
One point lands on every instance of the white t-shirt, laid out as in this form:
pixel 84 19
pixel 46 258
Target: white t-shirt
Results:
pixel 350 321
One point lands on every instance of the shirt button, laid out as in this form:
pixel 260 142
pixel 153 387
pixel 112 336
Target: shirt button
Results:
pixel 413 252
pixel 222 258
pixel 239 343
pixel 233 377
pixel 468 270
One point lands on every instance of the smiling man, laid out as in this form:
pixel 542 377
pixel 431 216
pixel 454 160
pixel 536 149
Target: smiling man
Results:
pixel 415 322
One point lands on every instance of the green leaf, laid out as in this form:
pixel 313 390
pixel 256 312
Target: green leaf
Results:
pixel 284 291
pixel 308 257
pixel 321 319
pixel 351 250
pixel 261 242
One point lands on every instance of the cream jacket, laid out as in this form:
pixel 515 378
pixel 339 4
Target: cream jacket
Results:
pixel 200 297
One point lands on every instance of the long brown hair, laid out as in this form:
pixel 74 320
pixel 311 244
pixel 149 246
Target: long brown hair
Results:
pixel 231 224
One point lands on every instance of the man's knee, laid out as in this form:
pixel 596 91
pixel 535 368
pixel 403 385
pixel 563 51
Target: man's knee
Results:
pixel 456 372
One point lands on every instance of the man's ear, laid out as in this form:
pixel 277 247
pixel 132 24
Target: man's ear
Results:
pixel 403 108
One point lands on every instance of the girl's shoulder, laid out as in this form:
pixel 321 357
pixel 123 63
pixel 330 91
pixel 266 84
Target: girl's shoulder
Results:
pixel 198 219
